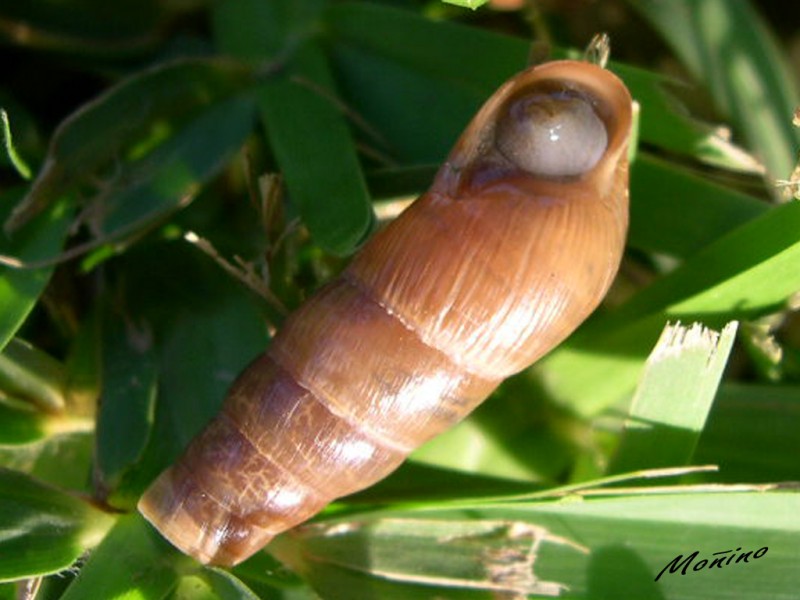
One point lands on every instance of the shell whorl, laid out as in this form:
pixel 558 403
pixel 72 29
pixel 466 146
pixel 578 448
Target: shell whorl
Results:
pixel 508 252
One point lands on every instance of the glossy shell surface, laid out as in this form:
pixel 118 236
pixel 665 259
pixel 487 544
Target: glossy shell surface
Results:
pixel 514 245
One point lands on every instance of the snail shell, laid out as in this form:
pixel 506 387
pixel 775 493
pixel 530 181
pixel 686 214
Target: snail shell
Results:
pixel 514 245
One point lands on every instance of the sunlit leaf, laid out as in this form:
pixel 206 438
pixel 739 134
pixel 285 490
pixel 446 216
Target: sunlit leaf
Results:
pixel 42 530
pixel 674 397
pixel 132 561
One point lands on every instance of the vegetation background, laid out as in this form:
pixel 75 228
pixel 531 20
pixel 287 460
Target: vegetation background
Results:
pixel 130 126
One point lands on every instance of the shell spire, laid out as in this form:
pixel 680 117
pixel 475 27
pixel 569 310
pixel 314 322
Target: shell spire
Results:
pixel 514 245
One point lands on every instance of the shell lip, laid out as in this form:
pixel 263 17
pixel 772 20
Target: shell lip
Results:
pixel 475 164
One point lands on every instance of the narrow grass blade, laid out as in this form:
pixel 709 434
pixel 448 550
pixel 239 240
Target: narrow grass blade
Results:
pixel 661 190
pixel 413 558
pixel 674 398
pixel 752 433
pixel 13 156
pixel 602 547
pixel 749 272
pixel 727 46
pixel 413 48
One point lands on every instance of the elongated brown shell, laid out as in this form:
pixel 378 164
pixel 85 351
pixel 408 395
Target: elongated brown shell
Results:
pixel 514 245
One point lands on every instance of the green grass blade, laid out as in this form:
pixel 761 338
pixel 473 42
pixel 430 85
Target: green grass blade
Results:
pixel 746 273
pixel 267 577
pixel 752 433
pixel 661 190
pixel 416 49
pixel 13 156
pixel 727 46
pixel 674 397
pixel 600 547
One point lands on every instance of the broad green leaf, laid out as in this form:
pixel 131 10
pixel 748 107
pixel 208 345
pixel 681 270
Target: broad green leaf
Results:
pixel 42 529
pixel 673 398
pixel 390 96
pixel 727 47
pixel 127 406
pixel 317 155
pixel 304 120
pixel 155 137
pixel 20 288
pixel 253 30
pixel 133 561
pixel 611 546
pixel 201 359
pixel 28 373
